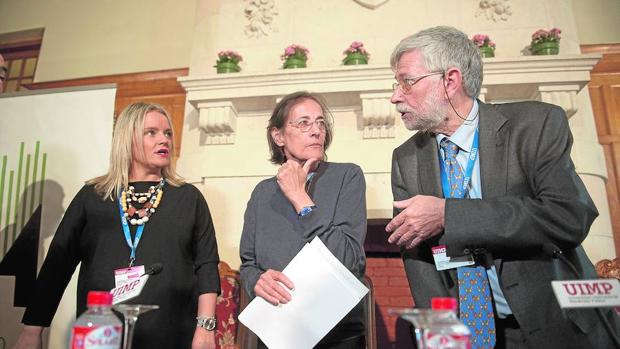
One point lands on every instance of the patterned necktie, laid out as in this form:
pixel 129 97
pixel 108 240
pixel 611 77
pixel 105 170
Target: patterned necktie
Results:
pixel 475 303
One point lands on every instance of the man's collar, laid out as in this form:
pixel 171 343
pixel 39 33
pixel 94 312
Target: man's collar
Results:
pixel 464 135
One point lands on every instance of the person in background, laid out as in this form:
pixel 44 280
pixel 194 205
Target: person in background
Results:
pixel 495 185
pixel 137 214
pixel 308 198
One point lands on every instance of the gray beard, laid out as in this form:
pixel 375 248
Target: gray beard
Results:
pixel 424 122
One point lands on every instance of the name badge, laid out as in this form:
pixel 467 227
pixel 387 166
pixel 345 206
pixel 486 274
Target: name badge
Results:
pixel 126 275
pixel 443 262
pixel 128 290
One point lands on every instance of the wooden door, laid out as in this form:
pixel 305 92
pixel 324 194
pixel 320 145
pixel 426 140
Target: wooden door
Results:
pixel 605 97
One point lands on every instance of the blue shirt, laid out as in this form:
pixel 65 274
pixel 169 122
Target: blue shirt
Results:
pixel 463 137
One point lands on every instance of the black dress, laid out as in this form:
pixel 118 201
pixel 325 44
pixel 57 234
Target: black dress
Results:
pixel 179 235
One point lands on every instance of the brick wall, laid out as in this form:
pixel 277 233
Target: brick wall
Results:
pixel 391 292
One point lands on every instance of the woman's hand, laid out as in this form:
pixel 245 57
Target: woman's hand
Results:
pixel 291 178
pixel 203 339
pixel 269 287
pixel 30 338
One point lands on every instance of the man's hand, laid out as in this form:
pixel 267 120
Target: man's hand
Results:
pixel 269 287
pixel 422 217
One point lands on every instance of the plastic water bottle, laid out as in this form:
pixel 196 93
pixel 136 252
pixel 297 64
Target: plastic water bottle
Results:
pixel 98 327
pixel 445 330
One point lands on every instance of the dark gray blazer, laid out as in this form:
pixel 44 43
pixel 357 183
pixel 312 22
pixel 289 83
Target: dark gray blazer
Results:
pixel 532 196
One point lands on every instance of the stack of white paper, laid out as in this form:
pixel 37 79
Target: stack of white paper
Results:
pixel 325 291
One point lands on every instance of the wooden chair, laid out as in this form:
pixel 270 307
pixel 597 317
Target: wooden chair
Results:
pixel 370 308
pixel 227 309
pixel 608 268
pixel 248 340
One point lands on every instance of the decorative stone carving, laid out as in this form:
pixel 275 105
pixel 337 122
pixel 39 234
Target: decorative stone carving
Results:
pixel 218 120
pixel 483 94
pixel 494 10
pixel 260 14
pixel 378 115
pixel 219 99
pixel 563 95
pixel 371 4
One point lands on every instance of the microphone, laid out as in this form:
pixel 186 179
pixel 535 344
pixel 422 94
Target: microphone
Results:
pixel 154 269
pixel 553 251
pixel 133 288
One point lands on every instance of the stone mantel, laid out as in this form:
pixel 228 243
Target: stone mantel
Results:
pixel 220 99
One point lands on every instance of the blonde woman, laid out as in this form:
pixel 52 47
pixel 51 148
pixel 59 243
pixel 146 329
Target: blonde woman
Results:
pixel 137 214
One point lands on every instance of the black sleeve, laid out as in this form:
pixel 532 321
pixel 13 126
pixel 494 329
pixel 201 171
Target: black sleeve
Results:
pixel 249 270
pixel 205 248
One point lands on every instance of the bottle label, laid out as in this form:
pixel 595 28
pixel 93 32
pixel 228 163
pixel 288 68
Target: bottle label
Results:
pixel 96 337
pixel 447 341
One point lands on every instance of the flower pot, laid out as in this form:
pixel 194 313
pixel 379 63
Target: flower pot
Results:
pixel 227 67
pixel 486 52
pixel 355 58
pixel 545 48
pixel 294 62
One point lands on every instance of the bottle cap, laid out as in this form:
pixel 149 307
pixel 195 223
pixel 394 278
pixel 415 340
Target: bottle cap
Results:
pixel 444 303
pixel 99 298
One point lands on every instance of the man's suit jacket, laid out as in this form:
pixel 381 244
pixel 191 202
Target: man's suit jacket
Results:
pixel 531 196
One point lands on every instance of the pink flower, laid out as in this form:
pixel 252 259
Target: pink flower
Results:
pixel 542 35
pixel 295 50
pixel 483 40
pixel 356 47
pixel 229 56
pixel 357 44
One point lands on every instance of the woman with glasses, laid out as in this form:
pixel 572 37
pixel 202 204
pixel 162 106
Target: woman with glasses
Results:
pixel 308 198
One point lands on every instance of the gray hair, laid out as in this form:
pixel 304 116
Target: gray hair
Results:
pixel 443 48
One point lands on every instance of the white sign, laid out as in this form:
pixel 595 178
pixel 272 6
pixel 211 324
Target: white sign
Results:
pixel 128 290
pixel 587 293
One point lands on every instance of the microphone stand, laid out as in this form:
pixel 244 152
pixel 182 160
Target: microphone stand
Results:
pixel 557 254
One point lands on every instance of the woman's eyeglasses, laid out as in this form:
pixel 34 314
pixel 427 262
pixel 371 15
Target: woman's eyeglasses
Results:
pixel 304 125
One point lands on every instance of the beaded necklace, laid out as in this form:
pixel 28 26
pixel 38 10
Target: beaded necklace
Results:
pixel 150 199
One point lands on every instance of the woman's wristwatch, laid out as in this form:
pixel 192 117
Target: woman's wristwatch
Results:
pixel 207 322
pixel 306 210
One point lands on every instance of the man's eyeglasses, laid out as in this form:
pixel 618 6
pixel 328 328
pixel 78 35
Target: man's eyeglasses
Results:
pixel 406 83
pixel 304 125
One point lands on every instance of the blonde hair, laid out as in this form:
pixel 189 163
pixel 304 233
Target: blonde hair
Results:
pixel 129 129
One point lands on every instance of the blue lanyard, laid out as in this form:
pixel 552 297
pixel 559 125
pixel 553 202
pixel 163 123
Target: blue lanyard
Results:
pixel 468 173
pixel 132 245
